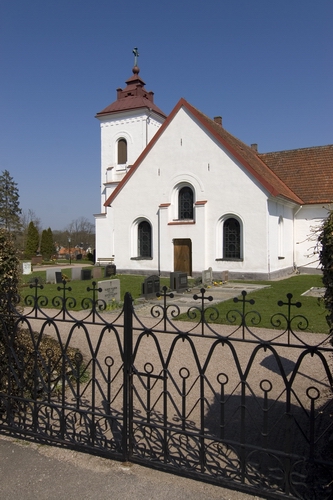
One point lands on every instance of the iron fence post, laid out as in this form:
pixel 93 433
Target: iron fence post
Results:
pixel 128 374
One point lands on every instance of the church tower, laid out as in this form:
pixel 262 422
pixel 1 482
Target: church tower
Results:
pixel 127 125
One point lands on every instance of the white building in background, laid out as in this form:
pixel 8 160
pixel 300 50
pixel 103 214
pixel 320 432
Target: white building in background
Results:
pixel 180 193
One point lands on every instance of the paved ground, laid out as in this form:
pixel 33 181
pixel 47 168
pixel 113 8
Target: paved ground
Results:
pixel 185 300
pixel 32 472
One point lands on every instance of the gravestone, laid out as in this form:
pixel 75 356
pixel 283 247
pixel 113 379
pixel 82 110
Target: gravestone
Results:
pixel 225 275
pixel 110 291
pixel 26 267
pixel 151 286
pixel 178 281
pixel 76 273
pixel 207 276
pixel 110 270
pixel 97 273
pixel 86 274
pixel 51 274
pixel 58 276
pixel 38 259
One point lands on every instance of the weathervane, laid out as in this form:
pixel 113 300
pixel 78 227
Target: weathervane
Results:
pixel 136 55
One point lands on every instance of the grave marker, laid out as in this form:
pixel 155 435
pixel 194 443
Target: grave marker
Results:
pixel 76 273
pixel 207 276
pixel 51 274
pixel 110 291
pixel 151 286
pixel 26 267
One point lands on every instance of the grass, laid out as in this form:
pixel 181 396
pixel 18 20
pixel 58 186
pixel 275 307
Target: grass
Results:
pixel 266 302
pixel 128 283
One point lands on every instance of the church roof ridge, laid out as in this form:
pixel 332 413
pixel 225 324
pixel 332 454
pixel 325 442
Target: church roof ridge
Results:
pixel 247 156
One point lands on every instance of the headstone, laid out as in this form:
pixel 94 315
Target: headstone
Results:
pixel 178 281
pixel 86 274
pixel 225 275
pixel 151 286
pixel 26 267
pixel 37 260
pixel 110 270
pixel 51 274
pixel 76 273
pixel 207 276
pixel 97 273
pixel 58 276
pixel 110 291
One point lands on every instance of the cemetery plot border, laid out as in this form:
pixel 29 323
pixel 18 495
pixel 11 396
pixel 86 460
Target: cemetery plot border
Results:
pixel 229 404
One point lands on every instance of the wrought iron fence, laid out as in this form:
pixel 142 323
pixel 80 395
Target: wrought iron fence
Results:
pixel 231 404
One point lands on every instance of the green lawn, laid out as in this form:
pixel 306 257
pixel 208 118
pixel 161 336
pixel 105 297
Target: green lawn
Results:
pixel 128 283
pixel 266 302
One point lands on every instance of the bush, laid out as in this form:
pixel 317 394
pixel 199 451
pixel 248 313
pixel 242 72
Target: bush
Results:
pixel 326 260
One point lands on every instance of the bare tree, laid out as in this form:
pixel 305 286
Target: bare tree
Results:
pixel 81 232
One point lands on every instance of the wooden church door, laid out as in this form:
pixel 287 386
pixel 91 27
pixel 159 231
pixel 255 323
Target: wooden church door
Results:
pixel 183 256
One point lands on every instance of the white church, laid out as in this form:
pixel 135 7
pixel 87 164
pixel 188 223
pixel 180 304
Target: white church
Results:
pixel 180 193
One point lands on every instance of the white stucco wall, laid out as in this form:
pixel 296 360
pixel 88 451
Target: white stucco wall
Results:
pixel 280 234
pixel 136 126
pixel 307 220
pixel 186 154
pixel 275 232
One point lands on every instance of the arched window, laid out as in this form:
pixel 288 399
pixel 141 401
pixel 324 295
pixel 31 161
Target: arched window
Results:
pixel 231 239
pixel 144 239
pixel 122 151
pixel 185 203
pixel 280 238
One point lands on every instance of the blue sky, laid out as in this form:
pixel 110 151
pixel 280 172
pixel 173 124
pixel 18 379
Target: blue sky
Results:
pixel 265 66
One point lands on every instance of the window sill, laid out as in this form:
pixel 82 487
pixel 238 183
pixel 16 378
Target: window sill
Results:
pixel 141 258
pixel 177 222
pixel 230 260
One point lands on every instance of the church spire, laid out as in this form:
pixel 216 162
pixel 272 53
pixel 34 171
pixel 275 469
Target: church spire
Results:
pixel 134 95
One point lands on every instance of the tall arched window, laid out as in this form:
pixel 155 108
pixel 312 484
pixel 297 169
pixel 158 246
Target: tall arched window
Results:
pixel 280 238
pixel 144 239
pixel 231 239
pixel 122 151
pixel 185 203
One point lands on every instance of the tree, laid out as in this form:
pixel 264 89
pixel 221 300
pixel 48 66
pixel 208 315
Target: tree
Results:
pixel 9 203
pixel 46 244
pixel 27 216
pixel 32 244
pixel 81 232
pixel 325 240
pixel 9 278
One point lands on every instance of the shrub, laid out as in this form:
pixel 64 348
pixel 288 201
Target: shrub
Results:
pixel 325 240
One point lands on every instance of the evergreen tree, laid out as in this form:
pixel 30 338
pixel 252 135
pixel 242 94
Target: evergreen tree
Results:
pixel 32 241
pixel 9 203
pixel 46 244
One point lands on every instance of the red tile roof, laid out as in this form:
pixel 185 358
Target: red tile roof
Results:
pixel 134 96
pixel 247 156
pixel 308 172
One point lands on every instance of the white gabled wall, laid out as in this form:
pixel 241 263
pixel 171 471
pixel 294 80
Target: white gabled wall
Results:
pixel 185 153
